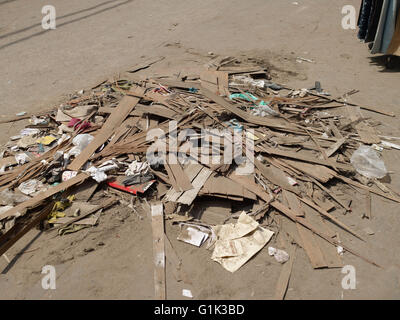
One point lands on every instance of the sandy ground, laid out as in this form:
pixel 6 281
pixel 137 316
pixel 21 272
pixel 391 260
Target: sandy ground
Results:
pixel 96 40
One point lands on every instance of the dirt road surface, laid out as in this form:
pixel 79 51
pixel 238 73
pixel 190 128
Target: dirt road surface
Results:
pixel 95 40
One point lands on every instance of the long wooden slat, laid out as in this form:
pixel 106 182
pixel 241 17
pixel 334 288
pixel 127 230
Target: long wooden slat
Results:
pixel 43 196
pixel 116 118
pixel 330 217
pixel 284 277
pixel 272 123
pixel 8 239
pixel 292 215
pixel 297 156
pixel 157 222
pixel 309 242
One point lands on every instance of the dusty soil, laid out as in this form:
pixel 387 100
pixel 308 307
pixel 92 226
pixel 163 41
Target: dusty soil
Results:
pixel 96 40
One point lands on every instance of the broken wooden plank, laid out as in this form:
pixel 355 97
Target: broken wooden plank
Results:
pixel 361 186
pixel 297 156
pixel 292 215
pixel 240 69
pixel 104 205
pixel 178 175
pixel 321 173
pixel 226 187
pixel 275 176
pixel 309 241
pixel 249 184
pixel 191 171
pixel 311 247
pixel 157 223
pixel 367 134
pixel 145 64
pixel 284 277
pixel 8 239
pixel 293 203
pixel 171 177
pixel 20 209
pixel 368 211
pixel 335 147
pixel 272 123
pixel 125 106
pixel 188 196
pixel 332 195
pixel 346 103
pixel 329 253
pixel 330 217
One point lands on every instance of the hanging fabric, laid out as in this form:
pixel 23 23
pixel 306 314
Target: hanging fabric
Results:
pixel 386 26
pixel 394 47
pixel 373 20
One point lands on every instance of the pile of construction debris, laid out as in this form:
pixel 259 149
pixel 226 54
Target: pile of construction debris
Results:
pixel 223 154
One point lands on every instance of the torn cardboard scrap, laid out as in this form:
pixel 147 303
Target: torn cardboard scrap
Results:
pixel 237 243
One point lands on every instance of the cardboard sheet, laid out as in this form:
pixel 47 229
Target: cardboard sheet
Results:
pixel 237 243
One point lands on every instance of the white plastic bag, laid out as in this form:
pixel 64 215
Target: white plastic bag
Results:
pixel 280 255
pixel 81 141
pixel 30 187
pixel 367 162
pixel 99 174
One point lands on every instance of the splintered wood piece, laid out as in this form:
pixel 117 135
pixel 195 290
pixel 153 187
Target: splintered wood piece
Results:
pixel 292 215
pixel 333 196
pixel 361 186
pixel 311 247
pixel 329 253
pixel 330 217
pixel 368 211
pixel 197 175
pixel 335 147
pixel 316 171
pixel 284 277
pixel 367 134
pixel 17 210
pixel 8 239
pixel 116 118
pixel 297 156
pixel 273 123
pixel 249 184
pixel 177 175
pixel 157 223
pixel 198 182
pixel 294 203
pixel 275 176
pixel 308 239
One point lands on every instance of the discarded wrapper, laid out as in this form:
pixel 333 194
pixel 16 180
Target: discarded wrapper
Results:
pixel 68 175
pixel 280 255
pixel 30 187
pixel 187 293
pixel 193 235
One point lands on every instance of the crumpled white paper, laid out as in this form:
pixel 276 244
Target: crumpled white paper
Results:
pixel 22 158
pixel 280 255
pixel 137 167
pixel 30 187
pixel 99 174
